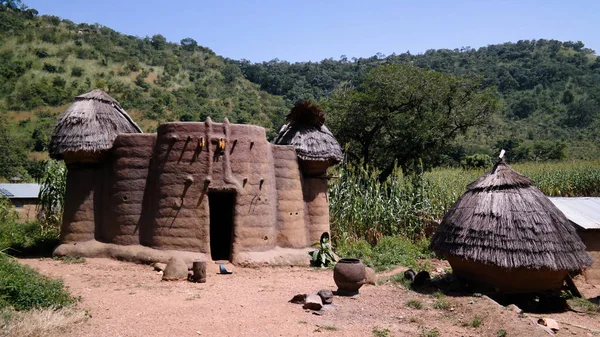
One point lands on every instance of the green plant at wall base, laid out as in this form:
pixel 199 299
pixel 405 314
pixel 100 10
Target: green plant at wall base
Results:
pixel 323 256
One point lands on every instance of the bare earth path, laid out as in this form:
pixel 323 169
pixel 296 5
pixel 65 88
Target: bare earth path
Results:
pixel 126 299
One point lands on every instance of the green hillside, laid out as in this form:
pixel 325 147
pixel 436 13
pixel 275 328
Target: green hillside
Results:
pixel 548 91
pixel 45 61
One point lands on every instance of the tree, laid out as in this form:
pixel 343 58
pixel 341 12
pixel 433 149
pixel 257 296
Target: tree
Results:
pixel 405 115
pixel 188 44
pixel 158 42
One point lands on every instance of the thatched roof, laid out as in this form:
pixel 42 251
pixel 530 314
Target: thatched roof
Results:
pixel 505 221
pixel 90 124
pixel 306 132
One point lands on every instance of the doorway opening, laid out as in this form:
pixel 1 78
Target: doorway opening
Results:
pixel 221 206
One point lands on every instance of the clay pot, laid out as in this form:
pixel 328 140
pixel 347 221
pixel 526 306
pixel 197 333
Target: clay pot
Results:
pixel 349 275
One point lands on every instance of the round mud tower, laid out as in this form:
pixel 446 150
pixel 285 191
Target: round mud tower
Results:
pixel 131 155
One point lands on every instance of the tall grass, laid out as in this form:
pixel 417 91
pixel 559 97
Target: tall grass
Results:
pixel 411 206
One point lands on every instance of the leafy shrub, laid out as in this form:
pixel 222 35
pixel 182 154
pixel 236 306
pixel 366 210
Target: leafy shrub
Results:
pixel 23 288
pixel 28 239
pixel 323 256
pixel 41 53
pixel 76 71
pixel 390 251
pixel 477 161
pixel 50 68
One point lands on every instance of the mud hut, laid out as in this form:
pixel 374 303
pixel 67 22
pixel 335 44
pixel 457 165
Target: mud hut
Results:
pixel 82 137
pixel 317 150
pixel 505 233
pixel 202 191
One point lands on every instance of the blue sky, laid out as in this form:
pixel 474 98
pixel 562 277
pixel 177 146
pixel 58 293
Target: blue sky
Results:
pixel 313 30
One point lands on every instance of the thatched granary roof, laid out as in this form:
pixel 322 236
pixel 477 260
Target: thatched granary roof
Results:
pixel 90 124
pixel 505 221
pixel 306 132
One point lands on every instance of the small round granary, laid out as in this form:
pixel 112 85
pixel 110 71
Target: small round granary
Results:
pixel 506 234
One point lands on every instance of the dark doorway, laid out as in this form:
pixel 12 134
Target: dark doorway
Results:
pixel 221 224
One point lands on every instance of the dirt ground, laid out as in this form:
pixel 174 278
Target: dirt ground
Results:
pixel 125 299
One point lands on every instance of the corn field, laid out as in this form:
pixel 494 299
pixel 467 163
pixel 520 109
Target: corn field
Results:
pixel 411 206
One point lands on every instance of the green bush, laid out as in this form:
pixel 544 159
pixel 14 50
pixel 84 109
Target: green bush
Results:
pixel 28 239
pixel 76 71
pixel 23 288
pixel 390 251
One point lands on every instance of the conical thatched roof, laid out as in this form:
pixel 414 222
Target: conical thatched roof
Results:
pixel 505 221
pixel 90 124
pixel 306 132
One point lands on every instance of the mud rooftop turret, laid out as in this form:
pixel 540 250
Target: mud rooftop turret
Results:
pixel 201 190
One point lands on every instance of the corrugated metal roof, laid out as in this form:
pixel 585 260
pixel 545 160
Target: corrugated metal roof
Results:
pixel 16 191
pixel 584 212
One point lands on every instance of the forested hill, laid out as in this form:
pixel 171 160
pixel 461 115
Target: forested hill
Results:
pixel 550 89
pixel 46 60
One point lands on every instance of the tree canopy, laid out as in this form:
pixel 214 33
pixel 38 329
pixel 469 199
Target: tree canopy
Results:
pixel 405 114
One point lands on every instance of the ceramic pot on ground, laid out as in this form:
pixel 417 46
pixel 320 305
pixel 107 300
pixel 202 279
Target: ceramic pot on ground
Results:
pixel 349 275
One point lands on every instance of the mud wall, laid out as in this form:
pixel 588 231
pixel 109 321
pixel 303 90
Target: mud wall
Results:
pixel 248 165
pixel 591 239
pixel 292 226
pixel 188 164
pixel 125 182
pixel 317 206
pixel 79 220
pixel 517 280
pixel 27 209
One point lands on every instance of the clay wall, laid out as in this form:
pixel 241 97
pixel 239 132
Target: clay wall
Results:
pixel 27 209
pixel 250 158
pixel 591 239
pixel 125 181
pixel 317 206
pixel 79 214
pixel 154 190
pixel 292 226
pixel 187 165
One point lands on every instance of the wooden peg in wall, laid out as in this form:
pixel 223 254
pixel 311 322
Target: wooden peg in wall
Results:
pixel 201 142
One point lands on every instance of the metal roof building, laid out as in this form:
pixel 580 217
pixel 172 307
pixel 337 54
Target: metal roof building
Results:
pixel 583 212
pixel 20 191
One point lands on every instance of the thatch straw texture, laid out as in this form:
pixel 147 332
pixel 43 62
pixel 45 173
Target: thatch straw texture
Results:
pixel 312 143
pixel 90 124
pixel 505 221
pixel 306 132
